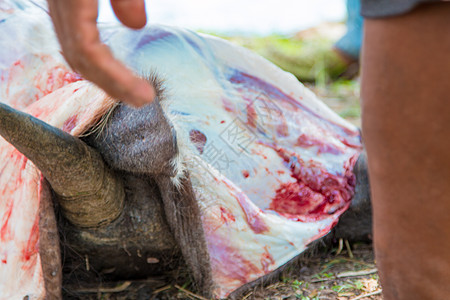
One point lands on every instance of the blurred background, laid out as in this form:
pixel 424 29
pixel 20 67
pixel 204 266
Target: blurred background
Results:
pixel 245 17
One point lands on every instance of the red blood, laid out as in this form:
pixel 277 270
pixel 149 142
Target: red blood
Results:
pixel 221 122
pixel 252 214
pixel 5 222
pixel 70 77
pixel 252 116
pixel 198 138
pixel 21 162
pixel 18 63
pixel 70 123
pixel 226 261
pixel 32 244
pixel 296 199
pixel 57 77
pixel 316 193
pixel 226 215
pixel 4 261
pixel 349 144
pixel 266 260
pixel 283 129
pixel 245 173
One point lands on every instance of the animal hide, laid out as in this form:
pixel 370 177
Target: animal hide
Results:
pixel 270 165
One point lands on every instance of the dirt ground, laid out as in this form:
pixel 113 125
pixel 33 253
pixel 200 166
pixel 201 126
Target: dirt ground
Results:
pixel 344 272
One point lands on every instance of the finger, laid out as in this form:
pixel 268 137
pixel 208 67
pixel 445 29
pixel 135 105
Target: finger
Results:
pixel 76 27
pixel 130 12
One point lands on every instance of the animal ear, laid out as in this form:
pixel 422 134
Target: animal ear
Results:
pixel 89 193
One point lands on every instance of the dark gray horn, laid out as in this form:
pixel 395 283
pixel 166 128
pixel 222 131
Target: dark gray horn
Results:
pixel 89 193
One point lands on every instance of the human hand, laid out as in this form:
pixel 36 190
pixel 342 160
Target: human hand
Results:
pixel 75 23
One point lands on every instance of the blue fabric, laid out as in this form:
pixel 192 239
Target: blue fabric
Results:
pixel 351 42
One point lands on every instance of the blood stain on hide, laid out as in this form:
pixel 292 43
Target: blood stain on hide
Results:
pixel 226 215
pixel 283 129
pixel 296 198
pixel 55 78
pixel 70 77
pixel 5 226
pixel 198 138
pixel 70 123
pixel 266 260
pixel 227 262
pixel 252 116
pixel 29 252
pixel 253 214
pixel 316 193
pixel 228 105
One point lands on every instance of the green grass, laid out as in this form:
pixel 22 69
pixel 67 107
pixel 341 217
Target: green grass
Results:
pixel 310 60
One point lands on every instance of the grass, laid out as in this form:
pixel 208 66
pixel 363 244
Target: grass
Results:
pixel 323 275
pixel 309 57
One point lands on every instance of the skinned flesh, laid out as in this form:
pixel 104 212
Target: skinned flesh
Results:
pixel 269 164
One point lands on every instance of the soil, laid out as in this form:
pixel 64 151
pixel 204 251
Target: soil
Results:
pixel 322 274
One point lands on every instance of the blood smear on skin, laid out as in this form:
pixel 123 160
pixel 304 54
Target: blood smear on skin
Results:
pixel 227 264
pixel 252 213
pixel 226 215
pixel 266 260
pixel 70 123
pixel 55 78
pixel 316 193
pixel 198 138
pixel 296 199
pixel 31 249
pixel 228 105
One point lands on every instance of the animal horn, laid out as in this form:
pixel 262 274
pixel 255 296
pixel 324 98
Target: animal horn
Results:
pixel 89 193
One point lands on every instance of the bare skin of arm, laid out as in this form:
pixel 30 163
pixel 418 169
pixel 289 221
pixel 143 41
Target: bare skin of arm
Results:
pixel 75 24
pixel 406 127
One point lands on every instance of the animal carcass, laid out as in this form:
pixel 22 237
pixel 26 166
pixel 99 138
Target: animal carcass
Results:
pixel 236 167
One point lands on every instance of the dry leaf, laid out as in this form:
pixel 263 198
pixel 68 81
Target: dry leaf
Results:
pixel 369 284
